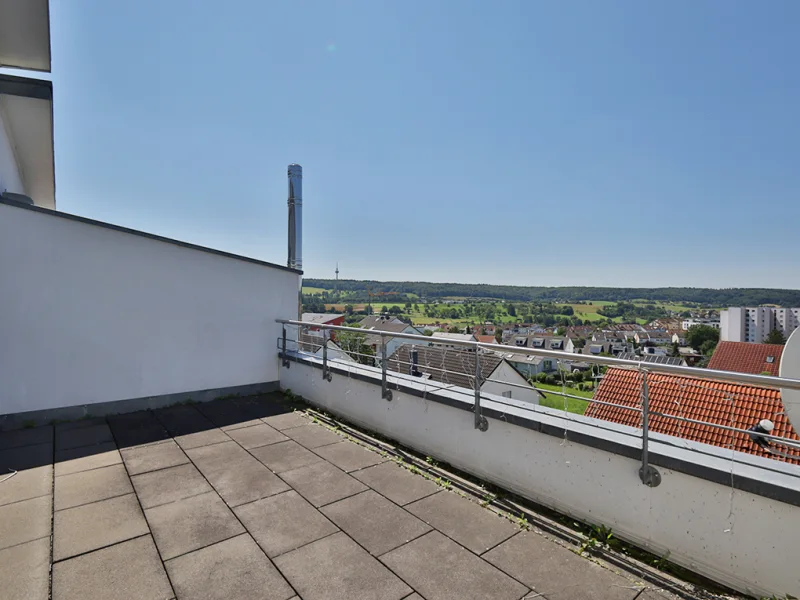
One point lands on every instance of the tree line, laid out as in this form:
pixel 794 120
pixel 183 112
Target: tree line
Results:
pixel 682 295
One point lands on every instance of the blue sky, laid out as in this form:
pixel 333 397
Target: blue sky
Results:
pixel 532 143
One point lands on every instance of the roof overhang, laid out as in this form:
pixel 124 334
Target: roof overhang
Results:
pixel 26 107
pixel 25 34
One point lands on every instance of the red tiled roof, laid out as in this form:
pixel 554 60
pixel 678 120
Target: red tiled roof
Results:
pixel 486 339
pixel 718 402
pixel 744 357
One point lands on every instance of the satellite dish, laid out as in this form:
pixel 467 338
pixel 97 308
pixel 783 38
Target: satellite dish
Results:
pixel 790 368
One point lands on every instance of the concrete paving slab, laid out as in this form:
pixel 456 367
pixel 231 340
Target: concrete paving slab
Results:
pixel 76 460
pixel 27 484
pixel 235 568
pixel 349 456
pixel 284 522
pixel 155 456
pixel 322 483
pixel 313 436
pixel 25 571
pixel 233 412
pixel 83 436
pixel 202 438
pixel 287 420
pixel 25 521
pixel 92 526
pixel 471 525
pixel 190 524
pixel 396 483
pixel 259 434
pixel 182 420
pixel 336 568
pixel 91 486
pixel 131 570
pixel 440 569
pixel 26 437
pixel 168 485
pixel 374 522
pixel 136 429
pixel 559 574
pixel 235 474
pixel 26 457
pixel 285 456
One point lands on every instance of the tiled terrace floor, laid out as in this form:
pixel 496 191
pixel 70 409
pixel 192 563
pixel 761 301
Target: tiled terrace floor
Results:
pixel 240 499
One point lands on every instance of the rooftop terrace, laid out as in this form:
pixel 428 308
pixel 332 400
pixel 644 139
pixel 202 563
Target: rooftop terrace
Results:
pixel 248 498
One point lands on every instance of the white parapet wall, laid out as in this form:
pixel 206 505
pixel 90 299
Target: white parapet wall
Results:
pixel 91 314
pixel 578 466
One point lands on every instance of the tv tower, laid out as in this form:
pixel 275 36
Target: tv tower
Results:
pixel 336 286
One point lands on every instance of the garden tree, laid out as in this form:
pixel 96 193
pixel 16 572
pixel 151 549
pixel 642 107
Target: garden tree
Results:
pixel 566 310
pixel 454 329
pixel 416 307
pixel 468 330
pixel 395 310
pixel 561 331
pixel 703 338
pixel 674 351
pixel 427 332
pixel 775 337
pixel 353 342
pixel 511 310
pixel 408 306
pixel 498 335
pixel 348 309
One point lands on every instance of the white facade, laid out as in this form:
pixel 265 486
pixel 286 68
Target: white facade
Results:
pixel 95 314
pixel 687 323
pixel 753 324
pixel 507 374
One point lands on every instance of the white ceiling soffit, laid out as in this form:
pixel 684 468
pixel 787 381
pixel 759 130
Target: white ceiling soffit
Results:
pixel 27 109
pixel 25 34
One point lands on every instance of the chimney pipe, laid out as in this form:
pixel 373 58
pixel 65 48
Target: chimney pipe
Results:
pixel 295 217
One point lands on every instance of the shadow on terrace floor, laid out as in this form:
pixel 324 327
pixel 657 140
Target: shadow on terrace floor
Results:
pixel 244 498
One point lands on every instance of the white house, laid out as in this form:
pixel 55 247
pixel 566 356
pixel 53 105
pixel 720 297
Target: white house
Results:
pixel 753 324
pixel 456 368
pixel 464 337
pixel 387 325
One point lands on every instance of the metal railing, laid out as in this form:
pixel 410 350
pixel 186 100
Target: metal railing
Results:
pixel 648 474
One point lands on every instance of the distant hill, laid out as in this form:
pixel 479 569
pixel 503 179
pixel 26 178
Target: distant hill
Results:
pixel 708 296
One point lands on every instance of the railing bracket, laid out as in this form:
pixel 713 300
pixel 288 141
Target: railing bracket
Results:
pixel 482 423
pixel 650 476
pixel 283 349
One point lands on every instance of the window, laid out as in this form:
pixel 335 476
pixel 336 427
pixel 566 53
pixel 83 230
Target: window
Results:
pixel 507 394
pixel 770 359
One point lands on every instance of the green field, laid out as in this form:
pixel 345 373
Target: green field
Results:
pixel 313 290
pixel 573 404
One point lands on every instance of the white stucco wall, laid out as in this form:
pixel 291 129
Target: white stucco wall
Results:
pixel 91 314
pixel 506 372
pixel 737 538
pixel 10 179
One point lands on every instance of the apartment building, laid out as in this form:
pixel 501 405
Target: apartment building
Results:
pixel 753 324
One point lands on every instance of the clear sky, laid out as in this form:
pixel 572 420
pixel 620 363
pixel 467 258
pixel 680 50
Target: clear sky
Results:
pixel 533 143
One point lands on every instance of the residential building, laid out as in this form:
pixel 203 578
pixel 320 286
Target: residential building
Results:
pixel 653 337
pixel 754 324
pixel 687 323
pixel 529 365
pixel 463 337
pixel 457 368
pixel 744 357
pixel 543 342
pixel 486 339
pixel 323 319
pixel 661 359
pixel 742 406
pixel 387 325
pixel 373 320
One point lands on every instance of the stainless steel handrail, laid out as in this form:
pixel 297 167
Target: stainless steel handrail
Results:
pixel 730 376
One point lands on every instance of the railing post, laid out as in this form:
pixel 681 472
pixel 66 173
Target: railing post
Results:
pixel 386 393
pixel 480 421
pixel 326 374
pixel 647 472
pixel 283 349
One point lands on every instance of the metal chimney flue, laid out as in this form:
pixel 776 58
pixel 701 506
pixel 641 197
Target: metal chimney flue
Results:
pixel 295 217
